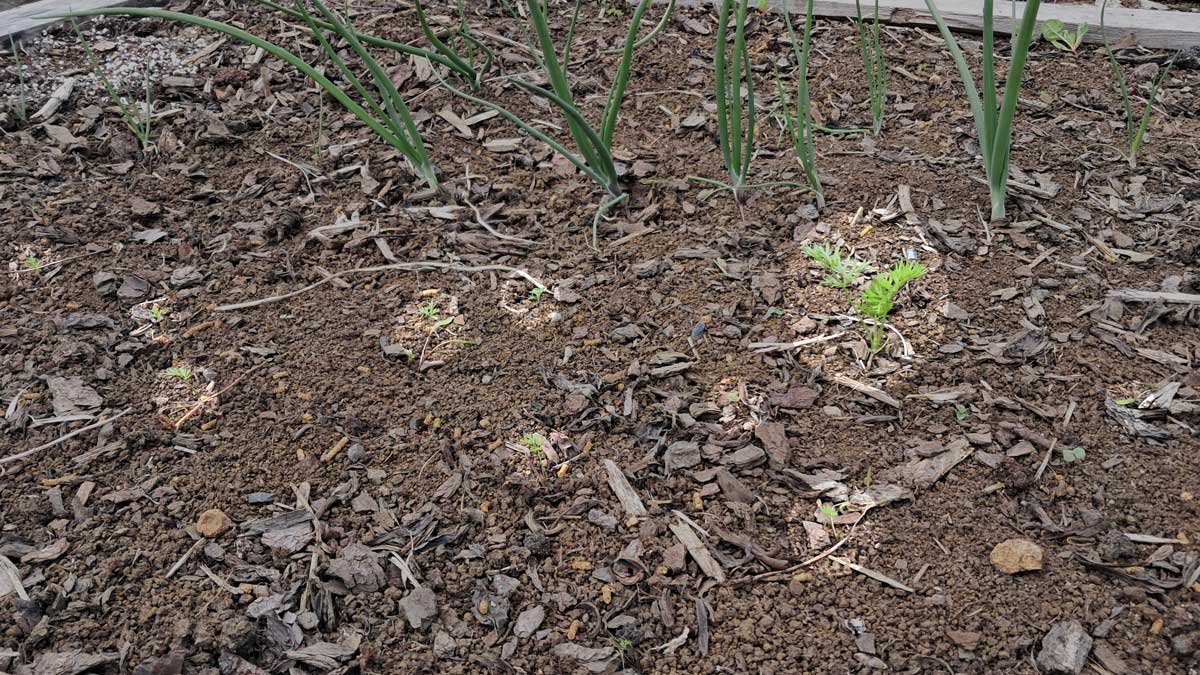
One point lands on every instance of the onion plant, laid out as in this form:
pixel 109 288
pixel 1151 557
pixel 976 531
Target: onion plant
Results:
pixel 800 124
pixel 993 122
pixel 384 112
pixel 20 108
pixel 464 69
pixel 735 124
pixel 465 65
pixel 1135 127
pixel 593 144
pixel 138 123
pixel 874 66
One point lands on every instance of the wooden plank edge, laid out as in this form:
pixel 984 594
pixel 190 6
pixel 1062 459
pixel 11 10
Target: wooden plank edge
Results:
pixel 1154 28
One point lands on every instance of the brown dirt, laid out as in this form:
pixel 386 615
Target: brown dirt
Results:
pixel 442 479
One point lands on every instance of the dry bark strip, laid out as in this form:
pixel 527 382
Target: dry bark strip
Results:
pixel 1149 27
pixel 698 550
pixel 630 501
pixel 874 392
pixel 1136 295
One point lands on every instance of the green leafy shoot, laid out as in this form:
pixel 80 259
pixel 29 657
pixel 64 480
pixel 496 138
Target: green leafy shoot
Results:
pixel 384 112
pixel 1135 127
pixel 533 443
pixel 1056 33
pixel 843 272
pixel 874 66
pixel 829 514
pixel 993 117
pixel 179 372
pixel 1073 455
pixel 800 124
pixel 878 298
pixel 139 124
pixel 20 109
pixel 156 313
pixel 961 412
pixel 430 311
pixel 33 263
pixel 535 294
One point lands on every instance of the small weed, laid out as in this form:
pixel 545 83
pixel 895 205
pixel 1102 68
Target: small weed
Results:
pixel 624 645
pixel 1073 455
pixel 430 311
pixel 33 263
pixel 1055 32
pixel 533 443
pixel 156 313
pixel 828 512
pixel 961 412
pixel 535 295
pixel 20 110
pixel 879 297
pixel 138 123
pixel 843 272
pixel 773 312
pixel 179 372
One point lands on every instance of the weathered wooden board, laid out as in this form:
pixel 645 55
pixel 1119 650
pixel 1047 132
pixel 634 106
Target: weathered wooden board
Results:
pixel 1155 28
pixel 37 15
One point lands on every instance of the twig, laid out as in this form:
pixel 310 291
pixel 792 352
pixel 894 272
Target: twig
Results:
pixel 1045 461
pixel 64 437
pixel 204 400
pixel 184 558
pixel 43 266
pixel 877 576
pixel 406 266
pixel 771 347
pixel 907 350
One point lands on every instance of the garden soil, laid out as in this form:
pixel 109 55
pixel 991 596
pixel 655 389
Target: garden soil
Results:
pixel 680 457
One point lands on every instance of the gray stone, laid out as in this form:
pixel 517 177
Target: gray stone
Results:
pixel 681 455
pixel 529 621
pixel 602 518
pixel 420 608
pixel 1065 649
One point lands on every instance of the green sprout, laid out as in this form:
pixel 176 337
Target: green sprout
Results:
pixel 179 372
pixel 156 313
pixel 533 443
pixel 624 645
pixel 843 272
pixel 828 512
pixel 21 109
pixel 33 263
pixel 430 310
pixel 1073 455
pixel 139 124
pixel 1056 33
pixel 1135 127
pixel 961 412
pixel 879 297
pixel 535 295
